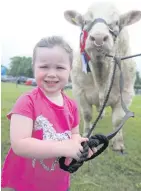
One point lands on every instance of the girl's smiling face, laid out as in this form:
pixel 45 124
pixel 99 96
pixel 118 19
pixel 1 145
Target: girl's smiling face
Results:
pixel 52 69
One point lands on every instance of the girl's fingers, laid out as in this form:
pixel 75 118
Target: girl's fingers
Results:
pixel 83 139
pixel 81 149
pixel 90 153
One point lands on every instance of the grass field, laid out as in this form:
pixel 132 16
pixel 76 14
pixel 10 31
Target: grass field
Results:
pixel 108 172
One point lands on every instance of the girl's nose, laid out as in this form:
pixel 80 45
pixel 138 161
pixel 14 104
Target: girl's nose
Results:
pixel 51 73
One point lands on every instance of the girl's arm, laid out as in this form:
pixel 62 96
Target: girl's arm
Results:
pixel 24 145
pixel 75 132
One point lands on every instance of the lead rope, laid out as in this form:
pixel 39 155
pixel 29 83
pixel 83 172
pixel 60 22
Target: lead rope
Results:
pixel 105 101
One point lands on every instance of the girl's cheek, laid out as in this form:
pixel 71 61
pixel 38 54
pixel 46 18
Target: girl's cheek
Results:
pixel 39 73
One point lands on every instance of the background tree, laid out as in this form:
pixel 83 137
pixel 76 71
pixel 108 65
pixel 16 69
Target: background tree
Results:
pixel 21 66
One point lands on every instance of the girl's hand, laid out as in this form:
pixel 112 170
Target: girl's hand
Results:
pixel 73 148
pixel 91 151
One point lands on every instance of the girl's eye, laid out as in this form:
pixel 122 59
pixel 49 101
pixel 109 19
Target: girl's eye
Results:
pixel 60 68
pixel 43 67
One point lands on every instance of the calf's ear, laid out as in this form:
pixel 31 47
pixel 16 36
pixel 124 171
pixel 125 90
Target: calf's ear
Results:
pixel 74 17
pixel 129 18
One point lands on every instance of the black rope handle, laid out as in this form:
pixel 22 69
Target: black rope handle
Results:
pixel 94 141
pixel 74 165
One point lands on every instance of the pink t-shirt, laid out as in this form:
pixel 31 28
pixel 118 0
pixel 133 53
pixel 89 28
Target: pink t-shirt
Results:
pixel 50 122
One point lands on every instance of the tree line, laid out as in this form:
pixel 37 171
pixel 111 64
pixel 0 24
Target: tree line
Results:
pixel 21 66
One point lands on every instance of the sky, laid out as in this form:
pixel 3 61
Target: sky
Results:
pixel 24 22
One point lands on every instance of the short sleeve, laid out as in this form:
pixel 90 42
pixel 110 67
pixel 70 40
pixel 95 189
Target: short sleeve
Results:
pixel 76 115
pixel 23 106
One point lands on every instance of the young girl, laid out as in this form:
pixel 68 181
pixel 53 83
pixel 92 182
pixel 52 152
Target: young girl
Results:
pixel 44 124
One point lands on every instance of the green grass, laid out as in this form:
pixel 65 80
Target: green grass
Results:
pixel 108 172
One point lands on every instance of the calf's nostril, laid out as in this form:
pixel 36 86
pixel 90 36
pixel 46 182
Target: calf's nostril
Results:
pixel 105 38
pixel 92 38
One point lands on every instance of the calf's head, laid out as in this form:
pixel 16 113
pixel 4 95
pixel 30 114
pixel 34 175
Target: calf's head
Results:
pixel 103 24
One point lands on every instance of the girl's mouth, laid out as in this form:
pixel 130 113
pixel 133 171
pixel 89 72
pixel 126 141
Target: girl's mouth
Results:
pixel 51 83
